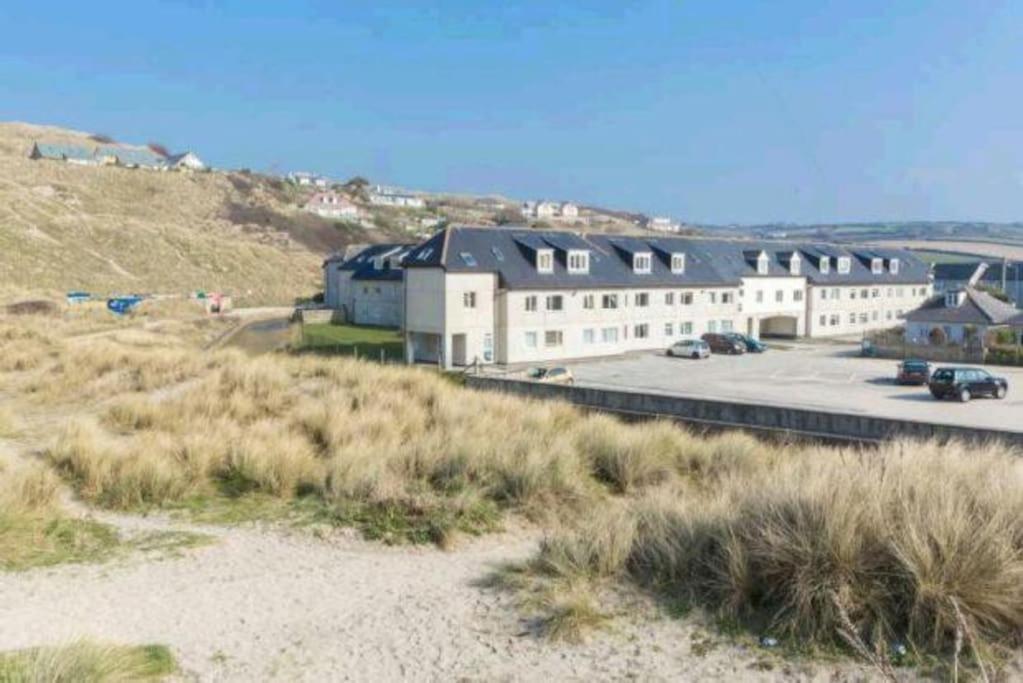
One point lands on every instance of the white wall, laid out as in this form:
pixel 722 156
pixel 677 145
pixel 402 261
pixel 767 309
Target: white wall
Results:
pixel 759 301
pixel 847 311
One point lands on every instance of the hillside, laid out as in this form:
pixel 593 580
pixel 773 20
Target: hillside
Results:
pixel 107 229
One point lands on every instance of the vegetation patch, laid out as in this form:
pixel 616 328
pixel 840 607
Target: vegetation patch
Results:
pixel 87 662
pixel 373 343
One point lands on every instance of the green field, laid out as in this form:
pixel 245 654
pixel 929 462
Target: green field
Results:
pixel 352 340
pixel 945 257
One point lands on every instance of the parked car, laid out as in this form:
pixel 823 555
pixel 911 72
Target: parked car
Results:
pixel 551 375
pixel 966 383
pixel 913 372
pixel 722 343
pixel 689 348
pixel 752 345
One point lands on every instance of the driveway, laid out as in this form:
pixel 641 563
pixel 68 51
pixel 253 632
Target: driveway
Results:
pixel 822 376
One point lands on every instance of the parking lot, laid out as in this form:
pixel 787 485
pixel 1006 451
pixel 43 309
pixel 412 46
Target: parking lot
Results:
pixel 822 376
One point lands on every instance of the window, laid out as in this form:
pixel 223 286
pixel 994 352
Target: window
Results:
pixel 669 298
pixel 555 302
pixel 530 303
pixel 863 318
pixel 834 319
pixel 669 330
pixel 890 291
pixel 836 293
pixel 678 263
pixel 609 301
pixel 685 298
pixel 609 335
pixel 712 325
pixel 852 318
pixel 760 296
pixel 864 294
pixel 762 263
pixel 726 325
pixel 642 299
pixel 797 295
pixel 876 266
pixel 468 259
pixel 641 331
pixel 873 315
pixel 825 265
pixel 578 261
pixel 893 266
pixel 376 290
pixel 685 328
pixel 641 263
pixel 824 294
pixel 589 336
pixel 488 347
pixel 498 254
pixel 713 297
pixel 794 264
pixel 844 265
pixel 588 301
pixel 875 293
pixel 545 261
pixel 779 296
pixel 824 321
pixel 531 340
pixel 552 338
pixel 365 290
pixel 727 297
pixel 469 299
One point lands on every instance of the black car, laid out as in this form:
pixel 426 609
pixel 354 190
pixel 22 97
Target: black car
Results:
pixel 966 383
pixel 752 345
pixel 723 343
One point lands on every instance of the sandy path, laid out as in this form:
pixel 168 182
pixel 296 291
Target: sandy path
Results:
pixel 276 605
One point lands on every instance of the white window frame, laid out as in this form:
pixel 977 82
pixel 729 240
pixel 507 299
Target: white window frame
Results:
pixel 642 262
pixel 532 340
pixel 545 260
pixel 469 299
pixel 825 265
pixel 611 299
pixel 530 303
pixel 578 261
pixel 844 265
pixel 763 264
pixel 893 266
pixel 553 339
pixel 678 263
pixel 552 299
pixel 642 299
pixel 588 301
pixel 876 265
pixel 589 336
pixel 795 264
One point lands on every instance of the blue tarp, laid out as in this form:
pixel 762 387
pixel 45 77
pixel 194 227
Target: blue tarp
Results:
pixel 123 304
pixel 78 297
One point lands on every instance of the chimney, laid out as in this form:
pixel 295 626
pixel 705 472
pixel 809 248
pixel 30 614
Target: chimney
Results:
pixel 977 274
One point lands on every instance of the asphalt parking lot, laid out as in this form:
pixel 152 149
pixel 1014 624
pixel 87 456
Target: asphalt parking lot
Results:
pixel 822 376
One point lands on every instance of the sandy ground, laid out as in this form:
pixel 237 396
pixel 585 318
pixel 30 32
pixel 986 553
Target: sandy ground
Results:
pixel 266 604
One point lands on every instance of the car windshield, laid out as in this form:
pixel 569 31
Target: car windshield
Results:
pixel 914 366
pixel 943 375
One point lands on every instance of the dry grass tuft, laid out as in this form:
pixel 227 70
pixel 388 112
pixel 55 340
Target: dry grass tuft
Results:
pixel 87 662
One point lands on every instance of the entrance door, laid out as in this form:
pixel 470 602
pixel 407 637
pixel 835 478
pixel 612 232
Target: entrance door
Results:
pixel 458 349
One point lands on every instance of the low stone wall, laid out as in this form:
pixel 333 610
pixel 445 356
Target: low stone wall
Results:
pixel 319 315
pixel 756 417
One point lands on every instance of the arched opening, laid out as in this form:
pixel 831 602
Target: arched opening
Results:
pixel 779 326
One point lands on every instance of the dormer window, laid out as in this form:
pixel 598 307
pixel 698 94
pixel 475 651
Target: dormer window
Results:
pixel 825 265
pixel 762 264
pixel 545 260
pixel 794 264
pixel 678 263
pixel 955 298
pixel 844 265
pixel 641 263
pixel 876 266
pixel 893 266
pixel 579 261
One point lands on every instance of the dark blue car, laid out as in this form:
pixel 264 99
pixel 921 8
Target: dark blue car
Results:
pixel 752 345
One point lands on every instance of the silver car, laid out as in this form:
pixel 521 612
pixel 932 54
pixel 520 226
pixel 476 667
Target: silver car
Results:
pixel 690 348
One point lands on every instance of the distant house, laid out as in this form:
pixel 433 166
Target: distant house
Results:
pixel 186 161
pixel 988 275
pixel 381 195
pixel 306 179
pixel 331 205
pixel 545 209
pixel 72 154
pixel 663 224
pixel 958 316
pixel 129 157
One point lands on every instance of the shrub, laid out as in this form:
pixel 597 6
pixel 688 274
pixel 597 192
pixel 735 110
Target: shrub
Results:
pixel 87 662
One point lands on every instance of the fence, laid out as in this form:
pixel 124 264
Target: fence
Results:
pixel 886 344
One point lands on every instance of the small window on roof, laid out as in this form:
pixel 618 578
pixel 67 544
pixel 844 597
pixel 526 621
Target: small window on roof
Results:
pixel 468 259
pixel 641 263
pixel 876 266
pixel 844 265
pixel 825 265
pixel 578 261
pixel 893 266
pixel 678 263
pixel 794 264
pixel 498 254
pixel 762 263
pixel 545 261
pixel 425 253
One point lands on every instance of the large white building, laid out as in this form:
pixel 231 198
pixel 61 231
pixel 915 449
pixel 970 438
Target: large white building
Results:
pixel 366 285
pixel 520 296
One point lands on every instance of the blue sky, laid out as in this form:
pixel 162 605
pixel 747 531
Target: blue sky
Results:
pixel 708 111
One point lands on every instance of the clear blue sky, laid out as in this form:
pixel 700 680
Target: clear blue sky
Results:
pixel 708 111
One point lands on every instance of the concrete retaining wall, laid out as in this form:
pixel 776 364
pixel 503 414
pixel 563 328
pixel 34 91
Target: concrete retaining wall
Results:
pixel 756 417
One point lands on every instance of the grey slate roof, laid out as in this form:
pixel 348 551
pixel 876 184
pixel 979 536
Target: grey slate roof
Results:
pixel 510 252
pixel 363 266
pixel 63 151
pixel 131 156
pixel 979 308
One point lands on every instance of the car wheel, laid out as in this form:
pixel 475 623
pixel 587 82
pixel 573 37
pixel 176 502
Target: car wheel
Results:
pixel 964 396
pixel 1000 392
pixel 670 353
pixel 696 356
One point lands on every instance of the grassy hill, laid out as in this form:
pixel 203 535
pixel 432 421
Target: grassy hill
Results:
pixel 107 229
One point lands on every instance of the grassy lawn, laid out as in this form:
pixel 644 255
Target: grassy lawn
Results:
pixel 350 340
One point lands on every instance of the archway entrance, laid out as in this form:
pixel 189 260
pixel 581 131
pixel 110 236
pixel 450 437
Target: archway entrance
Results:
pixel 779 326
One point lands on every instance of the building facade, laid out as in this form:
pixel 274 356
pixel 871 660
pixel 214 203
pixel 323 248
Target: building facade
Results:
pixel 331 205
pixel 366 285
pixel 958 317
pixel 477 295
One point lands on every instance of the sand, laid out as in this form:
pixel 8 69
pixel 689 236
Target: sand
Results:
pixel 263 604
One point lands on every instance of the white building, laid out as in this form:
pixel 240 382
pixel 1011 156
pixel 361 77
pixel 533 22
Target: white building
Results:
pixel 381 195
pixel 332 205
pixel 522 296
pixel 186 161
pixel 663 224
pixel 547 210
pixel 306 179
